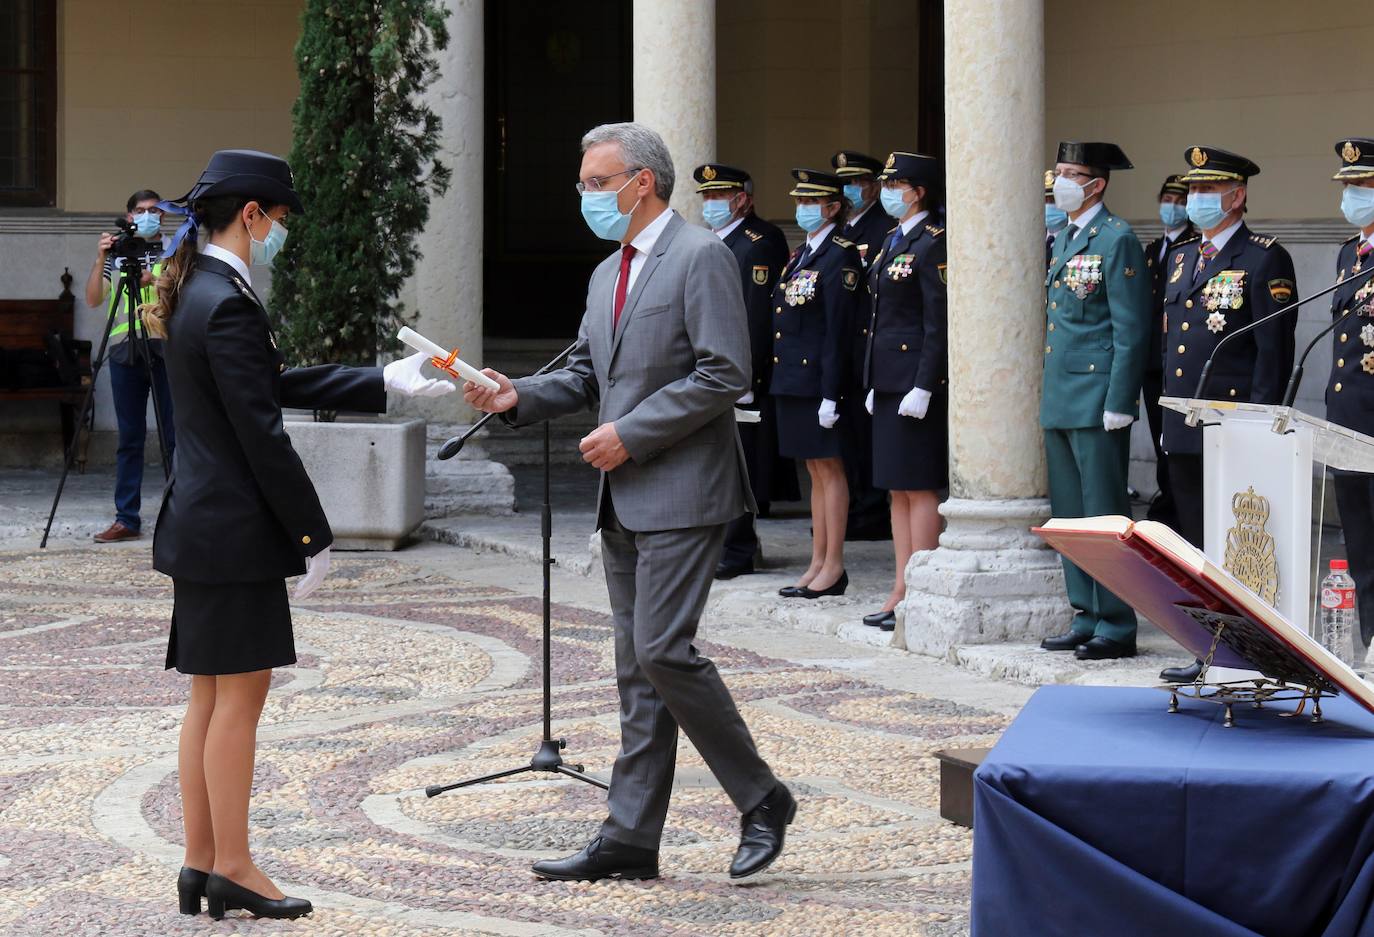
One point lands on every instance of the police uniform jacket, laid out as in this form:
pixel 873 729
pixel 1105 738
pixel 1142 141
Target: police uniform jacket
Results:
pixel 1350 389
pixel 870 232
pixel 814 307
pixel 907 344
pixel 761 250
pixel 1159 267
pixel 239 506
pixel 1249 278
pixel 1097 334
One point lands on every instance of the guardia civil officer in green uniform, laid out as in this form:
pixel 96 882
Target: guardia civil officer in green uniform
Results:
pixel 760 248
pixel 1350 390
pixel 1097 337
pixel 1222 281
pixel 867 226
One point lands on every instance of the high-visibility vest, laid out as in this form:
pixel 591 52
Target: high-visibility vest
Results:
pixel 146 294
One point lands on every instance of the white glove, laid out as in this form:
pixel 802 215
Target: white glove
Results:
pixel 868 403
pixel 915 403
pixel 316 568
pixel 1112 421
pixel 747 399
pixel 827 414
pixel 404 378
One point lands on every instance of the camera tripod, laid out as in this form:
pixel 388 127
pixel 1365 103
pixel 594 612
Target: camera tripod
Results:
pixel 127 290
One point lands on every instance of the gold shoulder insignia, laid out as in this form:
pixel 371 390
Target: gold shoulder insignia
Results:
pixel 934 231
pixel 1263 241
pixel 752 234
pixel 842 241
pixel 1188 240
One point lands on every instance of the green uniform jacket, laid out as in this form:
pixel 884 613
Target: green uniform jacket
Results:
pixel 1098 331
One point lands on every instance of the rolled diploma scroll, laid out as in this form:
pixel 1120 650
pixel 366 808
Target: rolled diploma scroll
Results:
pixel 417 341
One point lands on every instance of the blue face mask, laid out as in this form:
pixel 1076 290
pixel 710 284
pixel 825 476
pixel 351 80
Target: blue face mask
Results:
pixel 1173 214
pixel 1055 218
pixel 809 218
pixel 1357 204
pixel 1204 209
pixel 147 224
pixel 716 212
pixel 262 253
pixel 894 202
pixel 854 194
pixel 601 211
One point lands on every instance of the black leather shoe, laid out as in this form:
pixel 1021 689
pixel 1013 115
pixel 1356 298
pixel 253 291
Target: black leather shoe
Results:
pixel 790 592
pixel 730 571
pixel 875 619
pixel 889 623
pixel 838 588
pixel 761 833
pixel 601 858
pixel 1067 641
pixel 190 889
pixel 222 895
pixel 1186 674
pixel 1100 648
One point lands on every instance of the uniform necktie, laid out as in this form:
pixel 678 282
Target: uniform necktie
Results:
pixel 805 255
pixel 622 285
pixel 1205 253
pixel 1070 233
pixel 1364 250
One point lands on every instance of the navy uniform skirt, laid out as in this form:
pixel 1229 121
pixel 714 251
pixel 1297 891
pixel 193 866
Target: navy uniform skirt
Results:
pixel 910 454
pixel 800 435
pixel 230 627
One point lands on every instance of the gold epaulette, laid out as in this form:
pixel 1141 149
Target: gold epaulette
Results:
pixel 841 241
pixel 934 231
pixel 1263 241
pixel 1186 240
pixel 752 235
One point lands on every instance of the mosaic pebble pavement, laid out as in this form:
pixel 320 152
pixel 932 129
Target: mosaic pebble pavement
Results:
pixel 406 679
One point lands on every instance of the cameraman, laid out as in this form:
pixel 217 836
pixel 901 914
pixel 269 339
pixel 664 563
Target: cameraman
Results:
pixel 129 383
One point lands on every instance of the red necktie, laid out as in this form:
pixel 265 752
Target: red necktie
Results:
pixel 1205 253
pixel 622 285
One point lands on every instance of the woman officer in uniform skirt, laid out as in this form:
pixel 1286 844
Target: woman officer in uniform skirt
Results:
pixel 240 513
pixel 906 365
pixel 815 304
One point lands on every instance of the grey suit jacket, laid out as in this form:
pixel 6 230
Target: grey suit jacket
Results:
pixel 668 378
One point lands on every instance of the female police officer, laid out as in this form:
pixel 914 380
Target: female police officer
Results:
pixel 814 308
pixel 240 513
pixel 906 365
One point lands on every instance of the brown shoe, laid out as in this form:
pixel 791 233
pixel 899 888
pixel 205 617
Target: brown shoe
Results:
pixel 116 533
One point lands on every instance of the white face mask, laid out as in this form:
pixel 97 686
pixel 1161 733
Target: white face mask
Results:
pixel 1069 195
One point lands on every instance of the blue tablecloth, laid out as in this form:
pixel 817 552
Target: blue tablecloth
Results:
pixel 1098 814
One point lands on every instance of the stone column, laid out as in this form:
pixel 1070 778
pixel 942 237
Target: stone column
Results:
pixel 675 85
pixel 991 579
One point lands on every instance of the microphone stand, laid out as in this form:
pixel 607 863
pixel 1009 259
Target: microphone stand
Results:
pixel 548 758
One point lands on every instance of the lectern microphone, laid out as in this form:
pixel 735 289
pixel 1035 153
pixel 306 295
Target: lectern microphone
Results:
pixel 1207 368
pixel 1291 392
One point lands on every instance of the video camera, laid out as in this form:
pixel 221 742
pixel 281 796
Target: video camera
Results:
pixel 130 246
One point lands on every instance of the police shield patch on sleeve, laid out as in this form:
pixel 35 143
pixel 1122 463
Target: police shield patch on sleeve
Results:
pixel 760 274
pixel 944 273
pixel 850 278
pixel 1281 290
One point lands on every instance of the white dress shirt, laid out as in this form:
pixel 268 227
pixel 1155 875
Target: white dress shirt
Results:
pixel 1221 237
pixel 643 244
pixel 230 258
pixel 816 240
pixel 724 232
pixel 1085 219
pixel 913 221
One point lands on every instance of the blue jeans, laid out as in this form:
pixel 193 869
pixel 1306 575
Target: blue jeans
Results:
pixel 130 389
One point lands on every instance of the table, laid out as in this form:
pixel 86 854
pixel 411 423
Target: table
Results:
pixel 1098 814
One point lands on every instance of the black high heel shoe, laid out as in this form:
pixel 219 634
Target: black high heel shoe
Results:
pixel 222 895
pixel 838 588
pixel 190 889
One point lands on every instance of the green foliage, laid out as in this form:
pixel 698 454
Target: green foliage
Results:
pixel 363 158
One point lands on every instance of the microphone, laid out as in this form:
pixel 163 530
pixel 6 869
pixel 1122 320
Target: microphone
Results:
pixel 1291 392
pixel 1251 326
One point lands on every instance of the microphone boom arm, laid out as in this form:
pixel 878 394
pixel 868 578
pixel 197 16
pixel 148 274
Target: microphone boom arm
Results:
pixel 455 444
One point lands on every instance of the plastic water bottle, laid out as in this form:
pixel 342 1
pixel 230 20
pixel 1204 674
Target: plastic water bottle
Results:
pixel 1338 612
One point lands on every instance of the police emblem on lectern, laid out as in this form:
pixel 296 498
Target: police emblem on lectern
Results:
pixel 1250 551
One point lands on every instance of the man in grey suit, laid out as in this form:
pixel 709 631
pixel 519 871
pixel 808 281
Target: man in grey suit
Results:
pixel 663 351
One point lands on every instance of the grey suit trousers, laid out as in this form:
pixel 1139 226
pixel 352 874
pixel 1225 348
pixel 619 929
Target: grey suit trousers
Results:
pixel 658 583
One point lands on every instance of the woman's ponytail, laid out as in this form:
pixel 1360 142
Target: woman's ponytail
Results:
pixel 210 215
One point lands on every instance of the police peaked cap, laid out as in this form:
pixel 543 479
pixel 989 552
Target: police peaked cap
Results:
pixel 1174 185
pixel 853 163
pixel 1210 164
pixel 815 183
pixel 1357 159
pixel 1100 156
pixel 248 173
pixel 915 168
pixel 715 176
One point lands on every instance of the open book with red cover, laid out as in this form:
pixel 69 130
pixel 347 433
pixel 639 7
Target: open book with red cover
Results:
pixel 1163 577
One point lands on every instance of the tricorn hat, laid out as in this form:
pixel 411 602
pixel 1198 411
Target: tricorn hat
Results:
pixel 250 174
pixel 1107 156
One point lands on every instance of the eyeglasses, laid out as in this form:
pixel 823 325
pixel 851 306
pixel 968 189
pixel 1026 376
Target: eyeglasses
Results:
pixel 1074 174
pixel 595 182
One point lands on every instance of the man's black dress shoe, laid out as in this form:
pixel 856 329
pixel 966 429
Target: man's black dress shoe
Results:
pixel 1186 674
pixel 762 831
pixel 222 895
pixel 1067 641
pixel 1100 648
pixel 730 571
pixel 876 619
pixel 190 889
pixel 838 588
pixel 601 858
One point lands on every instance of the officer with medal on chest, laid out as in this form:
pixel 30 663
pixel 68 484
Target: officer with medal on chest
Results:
pixel 815 304
pixel 1178 230
pixel 1350 391
pixel 906 366
pixel 1098 312
pixel 1226 279
pixel 727 207
pixel 867 226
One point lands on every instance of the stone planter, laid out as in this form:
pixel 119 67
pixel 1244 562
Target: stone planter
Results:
pixel 370 476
